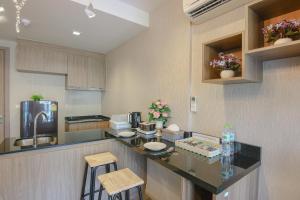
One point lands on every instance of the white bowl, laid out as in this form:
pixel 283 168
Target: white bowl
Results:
pixel 155 146
pixel 126 134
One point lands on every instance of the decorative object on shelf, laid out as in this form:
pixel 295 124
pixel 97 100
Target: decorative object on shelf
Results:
pixel 227 64
pixel 282 32
pixel 37 97
pixel 19 4
pixel 159 112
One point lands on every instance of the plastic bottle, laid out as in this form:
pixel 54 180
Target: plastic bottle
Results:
pixel 226 140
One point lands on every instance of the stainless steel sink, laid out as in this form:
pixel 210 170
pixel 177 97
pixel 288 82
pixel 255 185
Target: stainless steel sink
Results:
pixel 40 140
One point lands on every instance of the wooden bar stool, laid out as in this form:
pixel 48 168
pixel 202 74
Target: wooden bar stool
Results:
pixel 120 181
pixel 95 161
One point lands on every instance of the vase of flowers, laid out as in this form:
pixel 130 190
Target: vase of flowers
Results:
pixel 227 64
pixel 282 32
pixel 159 112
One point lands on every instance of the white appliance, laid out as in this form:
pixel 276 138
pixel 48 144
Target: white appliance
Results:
pixel 119 122
pixel 203 10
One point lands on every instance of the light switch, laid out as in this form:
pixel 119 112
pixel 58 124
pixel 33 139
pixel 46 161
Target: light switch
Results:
pixel 193 104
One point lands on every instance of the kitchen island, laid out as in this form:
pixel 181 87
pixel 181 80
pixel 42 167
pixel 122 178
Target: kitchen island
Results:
pixel 56 171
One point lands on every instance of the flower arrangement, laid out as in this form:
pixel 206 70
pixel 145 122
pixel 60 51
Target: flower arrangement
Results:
pixel 159 111
pixel 226 62
pixel 282 29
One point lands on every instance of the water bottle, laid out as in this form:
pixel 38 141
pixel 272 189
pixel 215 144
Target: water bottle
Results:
pixel 232 138
pixel 226 141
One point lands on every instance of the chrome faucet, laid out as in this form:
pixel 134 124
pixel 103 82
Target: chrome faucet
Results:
pixel 35 127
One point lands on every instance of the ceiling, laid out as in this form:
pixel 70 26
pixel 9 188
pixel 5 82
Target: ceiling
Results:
pixel 53 21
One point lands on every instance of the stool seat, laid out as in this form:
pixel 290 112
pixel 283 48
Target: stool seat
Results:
pixel 119 181
pixel 100 159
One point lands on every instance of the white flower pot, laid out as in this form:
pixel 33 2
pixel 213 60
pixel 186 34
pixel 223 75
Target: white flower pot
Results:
pixel 159 124
pixel 283 41
pixel 227 74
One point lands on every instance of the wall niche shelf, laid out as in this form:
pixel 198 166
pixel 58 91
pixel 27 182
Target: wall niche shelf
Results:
pixel 229 44
pixel 262 13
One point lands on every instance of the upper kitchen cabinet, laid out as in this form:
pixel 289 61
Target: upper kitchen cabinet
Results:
pixel 77 72
pixel 96 72
pixel 40 58
pixel 86 72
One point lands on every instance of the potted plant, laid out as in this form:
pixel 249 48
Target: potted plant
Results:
pixel 159 112
pixel 37 97
pixel 281 32
pixel 227 64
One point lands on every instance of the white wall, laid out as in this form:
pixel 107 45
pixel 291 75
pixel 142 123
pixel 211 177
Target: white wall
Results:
pixel 266 114
pixel 52 87
pixel 152 66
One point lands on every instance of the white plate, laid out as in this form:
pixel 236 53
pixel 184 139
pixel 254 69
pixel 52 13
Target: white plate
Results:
pixel 146 132
pixel 126 134
pixel 155 146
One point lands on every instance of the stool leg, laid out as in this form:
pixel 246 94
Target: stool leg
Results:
pixel 140 192
pixel 127 195
pixel 107 168
pixel 92 184
pixel 100 192
pixel 115 166
pixel 119 196
pixel 84 181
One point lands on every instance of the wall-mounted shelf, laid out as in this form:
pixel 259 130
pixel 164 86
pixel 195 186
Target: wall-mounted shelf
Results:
pixel 287 50
pixel 262 13
pixel 229 44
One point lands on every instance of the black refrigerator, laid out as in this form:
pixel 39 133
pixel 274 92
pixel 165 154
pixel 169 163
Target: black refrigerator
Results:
pixel 45 126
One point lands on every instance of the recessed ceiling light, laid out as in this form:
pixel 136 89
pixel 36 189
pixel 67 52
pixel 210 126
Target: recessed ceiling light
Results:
pixel 2 9
pixel 76 33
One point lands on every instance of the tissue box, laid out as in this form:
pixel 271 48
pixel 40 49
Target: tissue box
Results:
pixel 119 122
pixel 171 135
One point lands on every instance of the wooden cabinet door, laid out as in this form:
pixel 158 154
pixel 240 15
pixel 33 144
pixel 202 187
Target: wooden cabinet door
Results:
pixel 77 72
pixel 55 61
pixel 41 58
pixel 30 58
pixel 96 73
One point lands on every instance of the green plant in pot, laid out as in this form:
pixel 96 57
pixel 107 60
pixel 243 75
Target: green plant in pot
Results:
pixel 37 97
pixel 159 112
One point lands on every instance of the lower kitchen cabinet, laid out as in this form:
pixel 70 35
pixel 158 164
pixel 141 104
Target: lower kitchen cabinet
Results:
pixel 86 126
pixel 57 173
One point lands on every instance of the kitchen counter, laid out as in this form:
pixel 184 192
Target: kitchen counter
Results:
pixel 83 119
pixel 212 174
pixel 67 138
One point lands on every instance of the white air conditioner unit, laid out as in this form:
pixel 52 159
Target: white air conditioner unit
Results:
pixel 203 10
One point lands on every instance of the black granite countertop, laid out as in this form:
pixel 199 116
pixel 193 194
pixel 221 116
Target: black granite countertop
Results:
pixel 67 138
pixel 88 118
pixel 213 174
